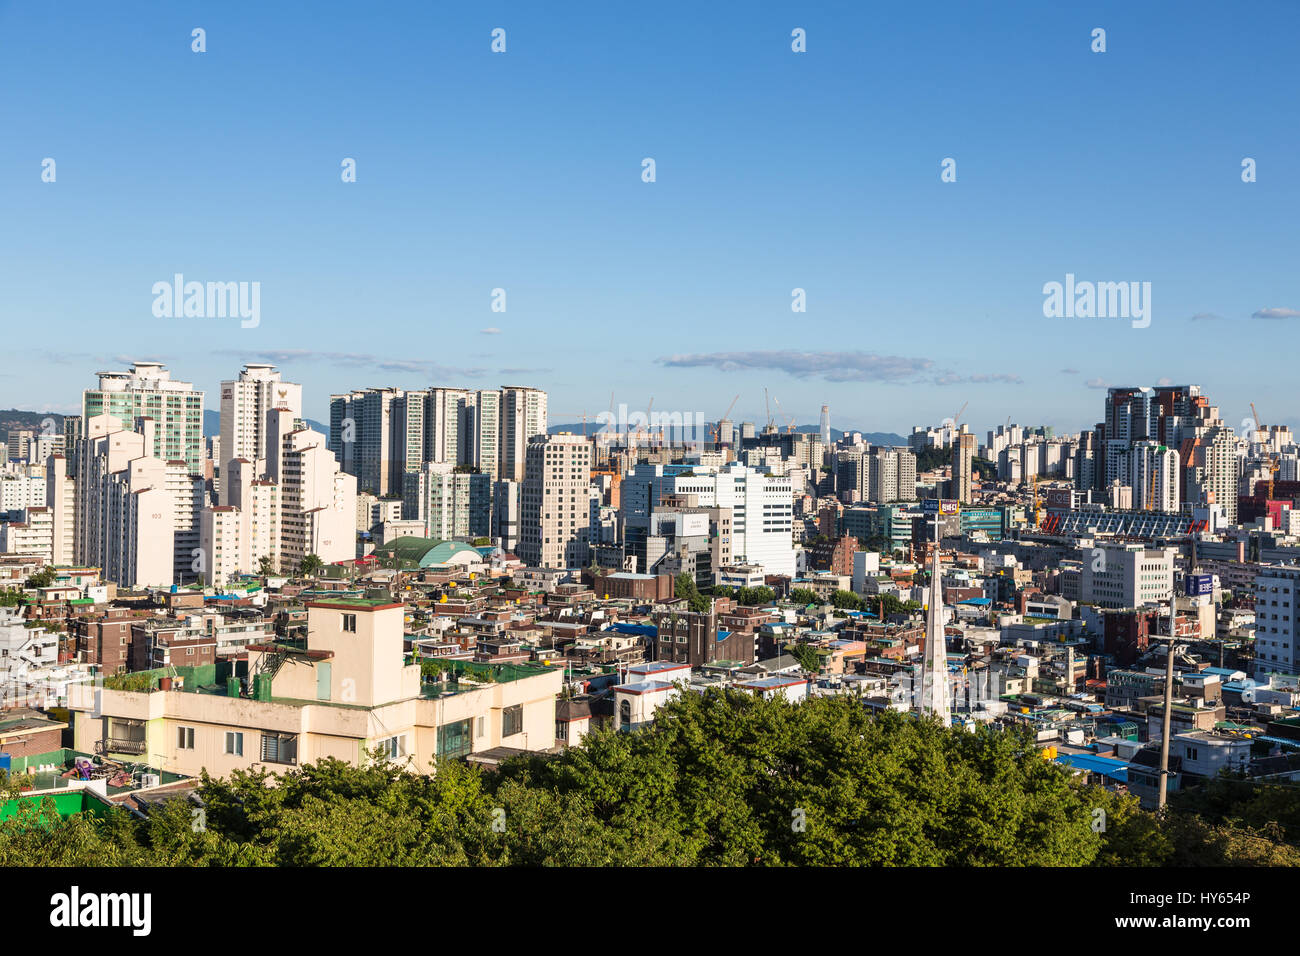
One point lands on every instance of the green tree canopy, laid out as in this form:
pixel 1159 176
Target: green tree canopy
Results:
pixel 804 596
pixel 720 778
pixel 752 597
pixel 684 587
pixel 42 578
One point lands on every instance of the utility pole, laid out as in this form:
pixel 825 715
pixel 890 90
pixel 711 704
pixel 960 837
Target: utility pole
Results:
pixel 1169 701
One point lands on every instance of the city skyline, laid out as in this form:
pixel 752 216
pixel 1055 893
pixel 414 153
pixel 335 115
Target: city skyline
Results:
pixel 1122 166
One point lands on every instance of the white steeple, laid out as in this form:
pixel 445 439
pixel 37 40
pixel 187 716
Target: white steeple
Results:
pixel 934 697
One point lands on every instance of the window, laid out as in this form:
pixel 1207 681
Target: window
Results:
pixel 478 726
pixel 454 739
pixel 280 748
pixel 350 623
pixel 234 744
pixel 185 738
pixel 394 747
pixel 512 720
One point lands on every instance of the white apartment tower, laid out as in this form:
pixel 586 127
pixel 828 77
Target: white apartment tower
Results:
pixel 1154 473
pixel 125 512
pixel 523 417
pixel 245 404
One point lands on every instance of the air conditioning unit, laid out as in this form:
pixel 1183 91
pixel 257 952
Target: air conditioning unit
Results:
pixel 148 780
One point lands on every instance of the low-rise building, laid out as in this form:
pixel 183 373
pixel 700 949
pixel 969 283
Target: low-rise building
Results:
pixel 348 692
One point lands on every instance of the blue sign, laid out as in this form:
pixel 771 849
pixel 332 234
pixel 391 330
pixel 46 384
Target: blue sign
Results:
pixel 1198 584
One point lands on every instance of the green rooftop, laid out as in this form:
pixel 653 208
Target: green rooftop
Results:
pixel 366 603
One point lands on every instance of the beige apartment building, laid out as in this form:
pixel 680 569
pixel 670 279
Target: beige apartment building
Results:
pixel 348 693
pixel 555 502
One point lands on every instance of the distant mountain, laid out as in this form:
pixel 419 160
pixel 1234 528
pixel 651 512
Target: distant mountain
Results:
pixel 212 424
pixel 874 438
pixel 18 419
pixel 871 438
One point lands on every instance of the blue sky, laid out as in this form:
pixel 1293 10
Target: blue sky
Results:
pixel 775 170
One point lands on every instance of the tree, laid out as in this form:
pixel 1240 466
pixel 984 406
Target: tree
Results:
pixel 42 578
pixel 266 566
pixel 722 778
pixel 751 597
pixel 804 596
pixel 809 660
pixel 684 587
pixel 10 598
pixel 310 565
pixel 846 601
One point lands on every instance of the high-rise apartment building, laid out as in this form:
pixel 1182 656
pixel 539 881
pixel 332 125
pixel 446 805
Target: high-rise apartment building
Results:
pixel 125 511
pixel 450 503
pixel 1144 414
pixel 887 475
pixel 148 391
pixel 506 514
pixel 380 434
pixel 1154 476
pixel 61 499
pixel 523 416
pixel 555 502
pixel 963 454
pixel 448 421
pixel 318 502
pixel 1213 468
pixel 245 403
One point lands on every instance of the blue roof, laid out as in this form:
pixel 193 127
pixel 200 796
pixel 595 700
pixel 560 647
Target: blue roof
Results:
pixel 976 601
pixel 1106 766
pixel 723 635
pixel 643 630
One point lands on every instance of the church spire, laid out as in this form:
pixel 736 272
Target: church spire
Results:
pixel 935 696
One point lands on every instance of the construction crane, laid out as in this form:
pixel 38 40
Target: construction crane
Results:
pixel 1035 485
pixel 767 404
pixel 715 432
pixel 1261 436
pixel 789 429
pixel 957 418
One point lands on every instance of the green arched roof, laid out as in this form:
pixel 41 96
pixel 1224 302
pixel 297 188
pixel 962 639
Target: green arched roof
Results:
pixel 422 552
